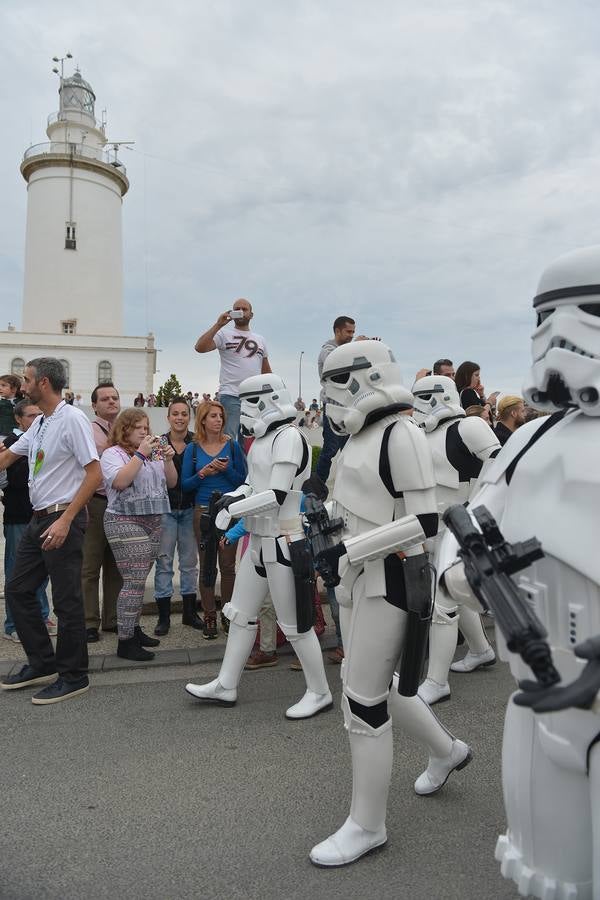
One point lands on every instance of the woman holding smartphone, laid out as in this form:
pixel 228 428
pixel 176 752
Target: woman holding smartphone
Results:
pixel 212 462
pixel 137 471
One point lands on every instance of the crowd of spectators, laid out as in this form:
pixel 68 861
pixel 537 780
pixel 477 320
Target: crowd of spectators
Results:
pixel 147 497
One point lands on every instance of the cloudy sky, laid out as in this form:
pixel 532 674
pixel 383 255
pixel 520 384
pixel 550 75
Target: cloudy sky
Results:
pixel 412 164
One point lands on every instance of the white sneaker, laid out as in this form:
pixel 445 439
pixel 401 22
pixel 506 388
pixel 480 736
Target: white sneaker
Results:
pixel 13 636
pixel 473 661
pixel 214 691
pixel 439 769
pixel 433 692
pixel 310 705
pixel 348 844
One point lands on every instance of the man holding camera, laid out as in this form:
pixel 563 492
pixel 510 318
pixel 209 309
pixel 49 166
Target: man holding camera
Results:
pixel 243 353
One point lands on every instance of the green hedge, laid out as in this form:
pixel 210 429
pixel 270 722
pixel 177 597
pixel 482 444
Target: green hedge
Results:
pixel 316 452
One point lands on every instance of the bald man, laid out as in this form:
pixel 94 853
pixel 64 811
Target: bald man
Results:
pixel 243 353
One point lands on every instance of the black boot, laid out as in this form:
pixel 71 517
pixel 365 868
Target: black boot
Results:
pixel 130 649
pixel 144 640
pixel 164 615
pixel 190 616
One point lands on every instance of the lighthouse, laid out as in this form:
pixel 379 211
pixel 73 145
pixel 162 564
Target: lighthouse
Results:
pixel 73 271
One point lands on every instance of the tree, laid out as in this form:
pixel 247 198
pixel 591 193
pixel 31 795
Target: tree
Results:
pixel 171 388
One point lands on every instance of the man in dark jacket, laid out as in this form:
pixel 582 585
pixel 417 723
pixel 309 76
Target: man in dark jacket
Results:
pixel 17 513
pixel 511 415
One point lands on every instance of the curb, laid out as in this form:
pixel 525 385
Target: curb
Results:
pixel 189 657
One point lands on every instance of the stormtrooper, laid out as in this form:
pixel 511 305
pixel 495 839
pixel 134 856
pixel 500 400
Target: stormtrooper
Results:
pixel 269 502
pixel 460 445
pixel 546 483
pixel 384 493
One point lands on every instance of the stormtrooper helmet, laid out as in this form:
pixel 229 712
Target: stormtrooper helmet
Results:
pixel 436 399
pixel 265 404
pixel 362 384
pixel 566 341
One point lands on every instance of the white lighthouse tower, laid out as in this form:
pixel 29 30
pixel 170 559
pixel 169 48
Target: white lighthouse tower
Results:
pixel 73 278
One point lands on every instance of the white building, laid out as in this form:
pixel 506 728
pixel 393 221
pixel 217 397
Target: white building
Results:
pixel 73 280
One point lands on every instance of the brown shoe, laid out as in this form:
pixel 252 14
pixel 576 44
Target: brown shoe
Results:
pixel 337 656
pixel 260 660
pixel 296 666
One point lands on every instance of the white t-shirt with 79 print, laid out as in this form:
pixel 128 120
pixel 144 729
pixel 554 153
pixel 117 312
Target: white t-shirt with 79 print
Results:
pixel 242 354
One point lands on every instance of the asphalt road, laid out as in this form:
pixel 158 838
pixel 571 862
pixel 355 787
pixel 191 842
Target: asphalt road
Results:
pixel 136 790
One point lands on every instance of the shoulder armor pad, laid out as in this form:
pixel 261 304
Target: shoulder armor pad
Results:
pixel 411 464
pixel 512 448
pixel 478 437
pixel 288 446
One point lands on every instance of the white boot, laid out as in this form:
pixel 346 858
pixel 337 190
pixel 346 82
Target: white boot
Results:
pixel 443 635
pixel 473 661
pixel 223 689
pixel 413 716
pixel 364 829
pixel 317 696
pixel 480 652
pixel 439 769
pixel 432 692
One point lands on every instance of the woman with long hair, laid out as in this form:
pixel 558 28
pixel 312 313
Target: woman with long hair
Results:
pixel 137 471
pixel 469 386
pixel 212 462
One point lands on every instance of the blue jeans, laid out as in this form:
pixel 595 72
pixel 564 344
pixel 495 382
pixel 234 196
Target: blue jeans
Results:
pixel 177 530
pixel 331 444
pixel 12 536
pixel 231 405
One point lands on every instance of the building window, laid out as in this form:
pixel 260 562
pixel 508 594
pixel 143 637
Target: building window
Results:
pixel 68 326
pixel 67 368
pixel 17 366
pixel 70 239
pixel 105 372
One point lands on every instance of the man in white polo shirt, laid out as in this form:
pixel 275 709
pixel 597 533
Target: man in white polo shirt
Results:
pixel 243 353
pixel 64 472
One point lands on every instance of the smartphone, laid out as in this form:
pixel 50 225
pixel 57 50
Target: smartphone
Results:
pixel 236 313
pixel 222 459
pixel 158 452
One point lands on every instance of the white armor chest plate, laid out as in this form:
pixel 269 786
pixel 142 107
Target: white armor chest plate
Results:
pixel 555 494
pixel 448 489
pixel 261 461
pixel 360 497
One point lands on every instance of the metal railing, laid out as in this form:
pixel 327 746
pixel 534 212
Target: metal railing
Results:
pixel 75 115
pixel 62 148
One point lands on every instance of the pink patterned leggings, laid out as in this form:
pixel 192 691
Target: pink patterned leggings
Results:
pixel 134 541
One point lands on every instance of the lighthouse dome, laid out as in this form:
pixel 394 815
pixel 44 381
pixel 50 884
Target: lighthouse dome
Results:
pixel 77 94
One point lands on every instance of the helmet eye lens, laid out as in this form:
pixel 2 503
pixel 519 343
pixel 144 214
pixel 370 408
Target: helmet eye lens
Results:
pixel 543 315
pixel 342 378
pixel 593 309
pixel 252 400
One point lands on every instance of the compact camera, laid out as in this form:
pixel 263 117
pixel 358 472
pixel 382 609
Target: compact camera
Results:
pixel 236 313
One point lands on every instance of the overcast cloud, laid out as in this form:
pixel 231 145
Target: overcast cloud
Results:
pixel 415 165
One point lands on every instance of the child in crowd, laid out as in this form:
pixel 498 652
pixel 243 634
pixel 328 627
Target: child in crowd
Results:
pixel 10 387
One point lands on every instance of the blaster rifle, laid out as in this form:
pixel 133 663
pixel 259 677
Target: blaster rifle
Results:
pixel 209 540
pixel 489 561
pixel 320 529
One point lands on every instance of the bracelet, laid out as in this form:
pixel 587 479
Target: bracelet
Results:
pixel 140 456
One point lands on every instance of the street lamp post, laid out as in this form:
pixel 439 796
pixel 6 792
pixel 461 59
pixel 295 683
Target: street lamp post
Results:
pixel 300 375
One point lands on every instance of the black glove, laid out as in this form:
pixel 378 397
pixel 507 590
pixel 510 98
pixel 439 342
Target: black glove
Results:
pixel 326 564
pixel 315 486
pixel 581 693
pixel 225 502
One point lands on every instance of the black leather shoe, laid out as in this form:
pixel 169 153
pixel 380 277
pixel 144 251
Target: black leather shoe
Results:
pixel 24 677
pixel 144 640
pixel 91 635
